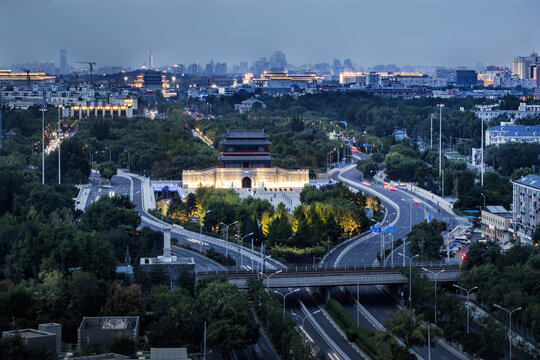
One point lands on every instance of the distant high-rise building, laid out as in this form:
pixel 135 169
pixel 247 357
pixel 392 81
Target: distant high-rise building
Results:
pixel 466 77
pixel 259 66
pixel 194 69
pixel 63 60
pixel 348 65
pixel 150 58
pixel 278 62
pixel 221 69
pixel 243 67
pixel 336 66
pixel 522 65
pixel 210 68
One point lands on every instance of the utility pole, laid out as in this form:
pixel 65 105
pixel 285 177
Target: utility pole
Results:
pixel 482 154
pixel 59 165
pixel 204 351
pixel 431 136
pixel 43 109
pixel 440 139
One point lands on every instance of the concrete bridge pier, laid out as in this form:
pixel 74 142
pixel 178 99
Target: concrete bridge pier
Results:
pixel 324 292
pixel 394 290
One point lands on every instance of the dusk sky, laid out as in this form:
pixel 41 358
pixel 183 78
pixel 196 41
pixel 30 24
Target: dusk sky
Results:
pixel 119 32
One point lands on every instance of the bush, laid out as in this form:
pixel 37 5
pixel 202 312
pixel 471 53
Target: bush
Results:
pixel 107 169
pixel 364 338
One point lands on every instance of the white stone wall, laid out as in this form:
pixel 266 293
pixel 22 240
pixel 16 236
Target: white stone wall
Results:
pixel 224 178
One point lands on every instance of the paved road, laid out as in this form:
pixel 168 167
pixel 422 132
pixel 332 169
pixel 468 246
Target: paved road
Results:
pixel 373 299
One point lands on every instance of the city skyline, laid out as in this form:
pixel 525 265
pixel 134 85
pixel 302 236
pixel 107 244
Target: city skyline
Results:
pixel 197 32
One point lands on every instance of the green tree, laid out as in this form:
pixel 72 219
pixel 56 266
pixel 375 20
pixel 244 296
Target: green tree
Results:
pixel 124 301
pixel 230 324
pixel 121 344
pixel 426 240
pixel 107 169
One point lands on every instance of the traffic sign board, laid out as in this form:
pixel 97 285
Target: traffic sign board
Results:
pixel 390 229
pixel 376 229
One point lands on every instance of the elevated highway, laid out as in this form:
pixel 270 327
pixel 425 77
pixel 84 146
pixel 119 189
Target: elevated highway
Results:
pixel 366 275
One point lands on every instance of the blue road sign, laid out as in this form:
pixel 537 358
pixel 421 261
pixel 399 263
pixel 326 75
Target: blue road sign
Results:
pixel 429 217
pixel 366 145
pixel 390 229
pixel 376 229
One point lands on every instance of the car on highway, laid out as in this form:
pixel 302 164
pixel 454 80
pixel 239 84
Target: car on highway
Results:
pixel 392 188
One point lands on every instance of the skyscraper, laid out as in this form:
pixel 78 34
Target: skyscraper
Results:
pixel 336 66
pixel 150 58
pixel 522 65
pixel 278 62
pixel 221 69
pixel 63 61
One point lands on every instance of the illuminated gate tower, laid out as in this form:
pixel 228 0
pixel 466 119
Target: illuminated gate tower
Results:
pixel 245 163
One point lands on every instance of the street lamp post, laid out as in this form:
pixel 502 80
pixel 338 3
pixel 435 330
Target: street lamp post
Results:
pixel 285 297
pixel 43 109
pixel 440 139
pixel 302 319
pixel 59 163
pixel 482 154
pixel 467 292
pixel 242 246
pixel 92 156
pixel 435 274
pixel 268 278
pixel 201 220
pixel 410 276
pixel 484 199
pixel 509 326
pixel 227 238
pixel 110 155
pixel 129 161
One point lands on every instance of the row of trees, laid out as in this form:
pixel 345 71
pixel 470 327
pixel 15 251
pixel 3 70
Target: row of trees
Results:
pixel 326 216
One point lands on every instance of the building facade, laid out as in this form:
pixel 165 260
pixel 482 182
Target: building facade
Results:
pixel 526 206
pixel 102 330
pixel 245 163
pixel 497 224
pixel 497 135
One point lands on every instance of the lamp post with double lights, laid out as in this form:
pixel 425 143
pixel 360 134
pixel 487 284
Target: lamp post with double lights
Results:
pixel 440 140
pixel 435 274
pixel 509 326
pixel 285 297
pixel 467 307
pixel 268 278
pixel 227 238
pixel 43 109
pixel 241 238
pixel 201 221
pixel 410 276
pixel 303 319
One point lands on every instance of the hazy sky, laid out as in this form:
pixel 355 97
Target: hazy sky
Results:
pixel 114 32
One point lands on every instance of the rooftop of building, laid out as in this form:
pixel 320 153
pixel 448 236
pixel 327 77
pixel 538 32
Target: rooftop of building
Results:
pixel 107 356
pixel 245 158
pixel 516 130
pixel 252 101
pixel 169 353
pixel 27 333
pixel 499 210
pixel 250 142
pixel 245 134
pixel 530 181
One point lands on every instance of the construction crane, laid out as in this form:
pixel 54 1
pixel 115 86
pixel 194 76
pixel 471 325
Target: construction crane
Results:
pixel 91 64
pixel 27 78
